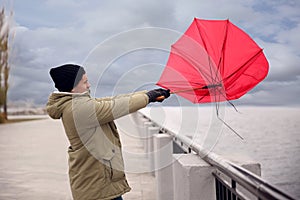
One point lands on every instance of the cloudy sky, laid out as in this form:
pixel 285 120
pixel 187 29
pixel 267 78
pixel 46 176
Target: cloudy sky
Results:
pixel 124 44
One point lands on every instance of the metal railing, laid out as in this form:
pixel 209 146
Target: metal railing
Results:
pixel 226 191
pixel 241 180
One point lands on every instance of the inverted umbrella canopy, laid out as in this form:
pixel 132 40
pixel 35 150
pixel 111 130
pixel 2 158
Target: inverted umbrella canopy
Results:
pixel 213 61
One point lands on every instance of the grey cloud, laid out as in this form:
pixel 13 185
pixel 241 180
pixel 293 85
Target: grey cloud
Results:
pixel 275 93
pixel 283 62
pixel 49 33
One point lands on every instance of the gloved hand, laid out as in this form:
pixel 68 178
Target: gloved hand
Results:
pixel 158 95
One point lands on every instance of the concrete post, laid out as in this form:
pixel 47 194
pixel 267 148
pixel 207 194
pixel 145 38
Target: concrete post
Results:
pixel 163 148
pixel 152 132
pixel 141 123
pixel 193 179
pixel 145 137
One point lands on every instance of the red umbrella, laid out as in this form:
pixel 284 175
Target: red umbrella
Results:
pixel 213 61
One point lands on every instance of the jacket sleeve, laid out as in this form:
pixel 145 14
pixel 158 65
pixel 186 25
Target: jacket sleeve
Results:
pixel 104 99
pixel 119 96
pixel 93 112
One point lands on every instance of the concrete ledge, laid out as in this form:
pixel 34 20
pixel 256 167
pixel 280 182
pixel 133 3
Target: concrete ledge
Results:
pixel 193 179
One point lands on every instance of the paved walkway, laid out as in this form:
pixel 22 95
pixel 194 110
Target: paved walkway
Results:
pixel 33 162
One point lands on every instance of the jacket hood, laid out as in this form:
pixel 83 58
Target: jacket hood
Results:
pixel 58 101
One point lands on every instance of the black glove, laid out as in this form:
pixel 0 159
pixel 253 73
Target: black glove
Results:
pixel 158 95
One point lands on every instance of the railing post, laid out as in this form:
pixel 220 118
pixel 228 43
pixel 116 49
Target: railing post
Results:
pixel 145 136
pixel 141 125
pixel 193 179
pixel 152 132
pixel 163 148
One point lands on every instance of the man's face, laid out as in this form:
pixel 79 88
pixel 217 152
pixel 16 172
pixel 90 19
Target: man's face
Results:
pixel 82 86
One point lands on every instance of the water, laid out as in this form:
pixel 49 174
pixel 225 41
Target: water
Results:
pixel 271 137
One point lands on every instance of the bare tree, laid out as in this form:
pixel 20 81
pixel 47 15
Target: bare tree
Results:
pixel 4 64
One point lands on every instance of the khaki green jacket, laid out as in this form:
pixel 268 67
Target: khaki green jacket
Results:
pixel 96 169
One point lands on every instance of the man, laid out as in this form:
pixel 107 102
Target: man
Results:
pixel 96 169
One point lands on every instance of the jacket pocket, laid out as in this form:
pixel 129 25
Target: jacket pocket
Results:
pixel 85 172
pixel 115 166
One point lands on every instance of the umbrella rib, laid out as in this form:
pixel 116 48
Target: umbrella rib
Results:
pixel 205 47
pixel 227 125
pixel 192 62
pixel 242 66
pixel 222 53
pixel 214 79
pixel 223 121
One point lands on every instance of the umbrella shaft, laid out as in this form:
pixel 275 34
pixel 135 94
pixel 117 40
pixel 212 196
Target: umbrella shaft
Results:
pixel 198 88
pixel 160 98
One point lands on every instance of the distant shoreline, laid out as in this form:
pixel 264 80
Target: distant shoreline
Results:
pixel 27 111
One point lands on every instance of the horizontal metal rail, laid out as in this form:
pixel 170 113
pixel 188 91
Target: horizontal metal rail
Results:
pixel 248 180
